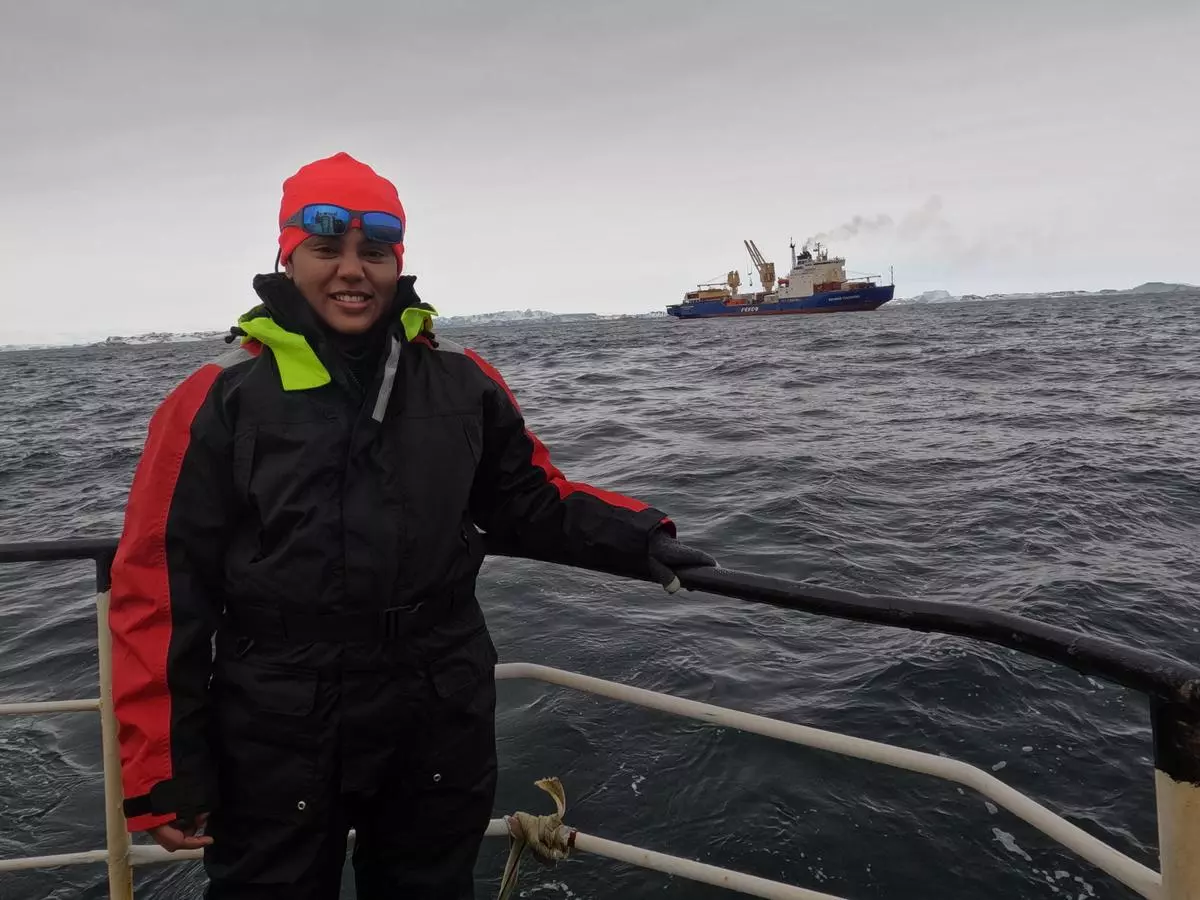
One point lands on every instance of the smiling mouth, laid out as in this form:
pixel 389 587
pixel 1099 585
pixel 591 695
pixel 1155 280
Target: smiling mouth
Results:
pixel 351 298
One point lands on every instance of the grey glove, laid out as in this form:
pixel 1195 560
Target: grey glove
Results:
pixel 668 554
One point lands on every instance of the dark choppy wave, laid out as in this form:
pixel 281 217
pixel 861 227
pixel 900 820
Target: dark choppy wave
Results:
pixel 1036 457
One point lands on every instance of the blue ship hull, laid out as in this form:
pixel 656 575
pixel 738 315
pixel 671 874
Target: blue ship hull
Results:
pixel 856 300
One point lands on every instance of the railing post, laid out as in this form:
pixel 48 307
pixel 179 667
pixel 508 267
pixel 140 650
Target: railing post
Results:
pixel 1177 790
pixel 120 872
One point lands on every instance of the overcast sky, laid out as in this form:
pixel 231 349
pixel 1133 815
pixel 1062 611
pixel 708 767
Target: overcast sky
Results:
pixel 601 156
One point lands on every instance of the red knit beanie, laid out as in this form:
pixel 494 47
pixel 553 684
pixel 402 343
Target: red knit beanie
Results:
pixel 339 179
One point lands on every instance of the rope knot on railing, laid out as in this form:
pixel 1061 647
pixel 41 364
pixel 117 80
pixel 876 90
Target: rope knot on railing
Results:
pixel 546 837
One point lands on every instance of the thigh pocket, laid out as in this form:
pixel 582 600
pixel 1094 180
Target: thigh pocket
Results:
pixel 268 737
pixel 456 771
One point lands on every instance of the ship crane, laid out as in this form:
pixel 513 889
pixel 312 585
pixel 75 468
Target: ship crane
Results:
pixel 766 270
pixel 732 281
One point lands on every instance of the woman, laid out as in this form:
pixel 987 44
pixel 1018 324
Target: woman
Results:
pixel 297 645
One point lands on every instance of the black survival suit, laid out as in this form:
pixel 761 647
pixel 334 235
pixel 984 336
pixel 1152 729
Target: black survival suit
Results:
pixel 315 508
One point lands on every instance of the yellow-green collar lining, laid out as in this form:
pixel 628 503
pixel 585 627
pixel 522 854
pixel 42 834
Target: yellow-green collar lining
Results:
pixel 300 369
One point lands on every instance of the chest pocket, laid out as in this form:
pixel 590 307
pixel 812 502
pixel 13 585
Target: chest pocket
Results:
pixel 432 459
pixel 284 471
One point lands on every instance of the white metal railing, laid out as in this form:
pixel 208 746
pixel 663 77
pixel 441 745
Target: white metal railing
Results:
pixel 122 856
pixel 1179 802
pixel 1132 873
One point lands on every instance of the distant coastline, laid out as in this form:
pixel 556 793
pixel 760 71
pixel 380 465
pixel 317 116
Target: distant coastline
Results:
pixel 512 316
pixel 1150 287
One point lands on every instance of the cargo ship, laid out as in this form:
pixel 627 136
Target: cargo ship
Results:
pixel 816 283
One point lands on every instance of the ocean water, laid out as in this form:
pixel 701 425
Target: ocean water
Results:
pixel 1037 457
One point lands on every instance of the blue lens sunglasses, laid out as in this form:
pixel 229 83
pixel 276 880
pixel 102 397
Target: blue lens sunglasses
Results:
pixel 331 220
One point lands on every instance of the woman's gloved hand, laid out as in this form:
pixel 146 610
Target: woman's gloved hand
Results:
pixel 668 554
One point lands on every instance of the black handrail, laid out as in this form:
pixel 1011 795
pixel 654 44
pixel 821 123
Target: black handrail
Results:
pixel 1172 684
pixel 50 551
pixel 99 550
pixel 1156 674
